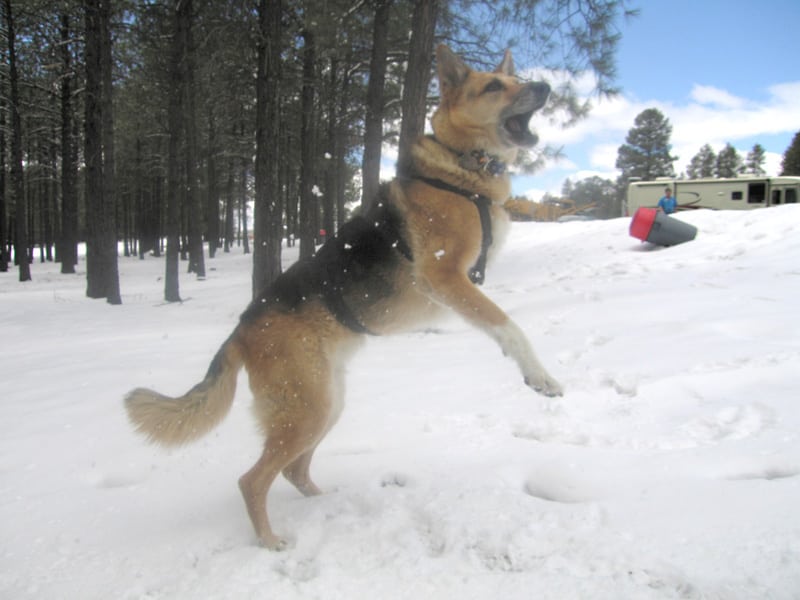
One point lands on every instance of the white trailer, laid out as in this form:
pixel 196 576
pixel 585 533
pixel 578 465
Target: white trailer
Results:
pixel 739 193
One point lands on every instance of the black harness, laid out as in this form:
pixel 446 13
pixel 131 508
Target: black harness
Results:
pixel 388 227
pixel 352 256
pixel 477 273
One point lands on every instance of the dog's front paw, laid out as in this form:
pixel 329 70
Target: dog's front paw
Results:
pixel 544 384
pixel 273 542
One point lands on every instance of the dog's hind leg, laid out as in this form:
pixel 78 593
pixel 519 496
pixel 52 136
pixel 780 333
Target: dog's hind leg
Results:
pixel 298 471
pixel 298 474
pixel 296 425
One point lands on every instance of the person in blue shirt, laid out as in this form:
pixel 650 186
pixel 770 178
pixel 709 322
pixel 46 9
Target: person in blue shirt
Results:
pixel 667 203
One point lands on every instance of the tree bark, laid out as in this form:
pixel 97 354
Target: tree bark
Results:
pixel 229 209
pixel 174 125
pixel 68 246
pixel 212 200
pixel 102 276
pixel 373 120
pixel 243 207
pixel 109 235
pixel 196 258
pixel 418 76
pixel 4 243
pixel 17 180
pixel 308 201
pixel 329 165
pixel 267 228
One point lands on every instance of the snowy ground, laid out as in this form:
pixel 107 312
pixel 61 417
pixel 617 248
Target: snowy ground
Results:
pixel 670 468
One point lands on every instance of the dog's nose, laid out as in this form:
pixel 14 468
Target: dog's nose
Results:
pixel 540 91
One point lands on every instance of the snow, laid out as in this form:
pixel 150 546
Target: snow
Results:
pixel 669 469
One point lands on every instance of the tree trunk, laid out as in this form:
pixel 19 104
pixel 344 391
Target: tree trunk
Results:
pixel 373 121
pixel 4 242
pixel 196 259
pixel 229 206
pixel 102 276
pixel 109 232
pixel 418 75
pixel 68 247
pixel 308 201
pixel 290 177
pixel 93 150
pixel 50 208
pixel 243 208
pixel 212 199
pixel 17 179
pixel 267 213
pixel 174 125
pixel 340 149
pixel 329 197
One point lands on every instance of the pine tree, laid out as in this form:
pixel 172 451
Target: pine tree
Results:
pixel 703 163
pixel 646 152
pixel 595 192
pixel 189 114
pixel 174 107
pixel 791 158
pixel 17 176
pixel 755 161
pixel 102 274
pixel 373 119
pixel 68 247
pixel 268 208
pixel 729 163
pixel 420 59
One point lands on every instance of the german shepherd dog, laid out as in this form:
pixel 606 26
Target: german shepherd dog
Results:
pixel 421 249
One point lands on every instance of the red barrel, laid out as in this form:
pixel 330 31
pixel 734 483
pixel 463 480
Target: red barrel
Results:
pixel 652 225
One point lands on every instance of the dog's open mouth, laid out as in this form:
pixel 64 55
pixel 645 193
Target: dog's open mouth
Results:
pixel 515 122
pixel 516 128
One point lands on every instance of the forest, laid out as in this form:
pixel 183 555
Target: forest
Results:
pixel 150 128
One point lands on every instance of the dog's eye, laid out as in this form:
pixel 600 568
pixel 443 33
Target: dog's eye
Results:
pixel 495 85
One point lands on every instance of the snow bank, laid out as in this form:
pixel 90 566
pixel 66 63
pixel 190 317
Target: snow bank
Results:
pixel 668 470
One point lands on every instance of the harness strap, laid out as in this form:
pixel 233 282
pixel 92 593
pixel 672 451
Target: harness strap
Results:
pixel 384 220
pixel 477 273
pixel 335 303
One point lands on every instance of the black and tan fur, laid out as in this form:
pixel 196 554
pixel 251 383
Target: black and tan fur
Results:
pixel 386 271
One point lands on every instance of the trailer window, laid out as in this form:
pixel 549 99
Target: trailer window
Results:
pixel 776 196
pixel 756 193
pixel 791 196
pixel 736 195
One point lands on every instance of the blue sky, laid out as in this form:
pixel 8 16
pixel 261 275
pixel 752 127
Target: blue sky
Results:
pixel 719 71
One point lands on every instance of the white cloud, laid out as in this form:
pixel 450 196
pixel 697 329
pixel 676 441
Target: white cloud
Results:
pixel 708 115
pixel 706 94
pixel 604 156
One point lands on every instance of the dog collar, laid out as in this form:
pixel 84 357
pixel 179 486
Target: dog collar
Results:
pixel 477 160
pixel 480 160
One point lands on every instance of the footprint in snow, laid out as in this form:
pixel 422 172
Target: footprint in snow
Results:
pixel 731 423
pixel 767 472
pixel 394 480
pixel 557 483
pixel 109 481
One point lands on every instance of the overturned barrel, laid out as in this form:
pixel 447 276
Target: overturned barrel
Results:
pixel 652 225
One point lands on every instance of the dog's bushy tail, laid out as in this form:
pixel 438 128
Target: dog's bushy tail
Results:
pixel 176 421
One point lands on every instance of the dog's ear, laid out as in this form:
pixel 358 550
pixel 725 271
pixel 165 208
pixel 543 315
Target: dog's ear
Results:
pixel 452 70
pixel 506 66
